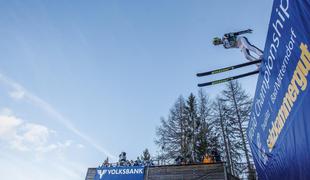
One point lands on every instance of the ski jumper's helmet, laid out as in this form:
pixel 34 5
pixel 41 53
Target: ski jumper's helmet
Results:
pixel 217 41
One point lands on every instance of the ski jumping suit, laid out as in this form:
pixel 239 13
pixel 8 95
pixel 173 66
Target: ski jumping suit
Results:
pixel 232 41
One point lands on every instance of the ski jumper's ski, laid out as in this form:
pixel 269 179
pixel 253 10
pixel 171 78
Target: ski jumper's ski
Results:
pixel 238 33
pixel 229 68
pixel 228 79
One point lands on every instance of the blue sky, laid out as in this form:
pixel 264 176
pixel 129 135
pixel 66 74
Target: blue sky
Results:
pixel 82 80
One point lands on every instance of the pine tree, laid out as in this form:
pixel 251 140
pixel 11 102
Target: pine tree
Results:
pixel 207 140
pixel 173 133
pixel 193 126
pixel 239 106
pixel 188 133
pixel 220 122
pixel 146 156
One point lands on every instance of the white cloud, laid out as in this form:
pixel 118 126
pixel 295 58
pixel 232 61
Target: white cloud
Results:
pixel 19 92
pixel 23 136
pixel 17 167
pixel 6 111
pixel 36 134
pixel 54 147
pixel 80 146
pixel 17 143
pixel 8 125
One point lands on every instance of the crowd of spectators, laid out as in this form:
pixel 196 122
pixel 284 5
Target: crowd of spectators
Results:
pixel 124 162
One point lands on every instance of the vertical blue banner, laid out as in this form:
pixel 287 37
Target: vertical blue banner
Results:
pixel 279 127
pixel 120 173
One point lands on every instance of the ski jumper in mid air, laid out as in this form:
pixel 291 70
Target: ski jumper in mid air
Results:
pixel 251 52
pixel 233 40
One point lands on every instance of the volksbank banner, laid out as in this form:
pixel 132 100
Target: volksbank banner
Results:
pixel 120 173
pixel 279 127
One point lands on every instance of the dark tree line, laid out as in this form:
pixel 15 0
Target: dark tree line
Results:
pixel 197 127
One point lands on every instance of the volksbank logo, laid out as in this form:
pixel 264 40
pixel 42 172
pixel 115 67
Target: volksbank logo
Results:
pixel 103 172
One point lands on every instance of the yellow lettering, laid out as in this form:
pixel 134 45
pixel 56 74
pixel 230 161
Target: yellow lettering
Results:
pixel 305 54
pixel 282 115
pixel 292 92
pixel 300 79
pixel 285 111
pixel 287 102
pixel 303 67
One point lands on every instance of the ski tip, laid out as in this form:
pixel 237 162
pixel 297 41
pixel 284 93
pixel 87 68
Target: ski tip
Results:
pixel 201 85
pixel 199 74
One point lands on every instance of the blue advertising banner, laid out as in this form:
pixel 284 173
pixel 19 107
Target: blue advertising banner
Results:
pixel 279 126
pixel 120 173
